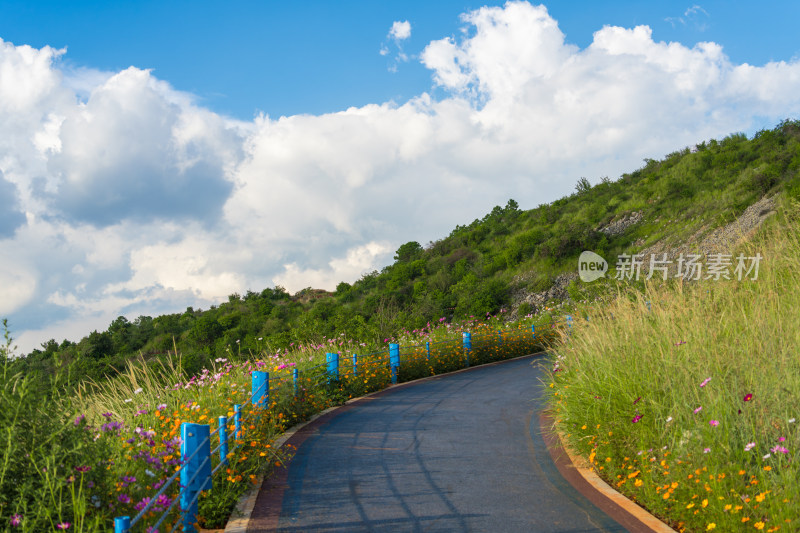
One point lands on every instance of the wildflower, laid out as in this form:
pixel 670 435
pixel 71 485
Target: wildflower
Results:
pixel 137 391
pixel 161 406
pixel 636 418
pixel 63 525
pixel 749 446
pixel 669 419
pixel 781 439
pixel 780 449
pixel 767 456
pixel 714 423
pixel 637 400
pixel 124 498
pixel 711 526
pixel 706 450
pixel 791 420
pixel 698 409
pixel 107 415
pixel 84 468
pixel 79 419
pixel 748 397
pixel 142 504
pixel 128 400
pixel 16 520
pixel 705 382
pixel 759 525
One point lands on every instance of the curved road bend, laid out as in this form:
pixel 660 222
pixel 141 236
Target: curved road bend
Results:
pixel 457 452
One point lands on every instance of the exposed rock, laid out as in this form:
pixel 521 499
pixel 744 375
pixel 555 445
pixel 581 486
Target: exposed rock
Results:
pixel 706 242
pixel 619 226
pixel 537 300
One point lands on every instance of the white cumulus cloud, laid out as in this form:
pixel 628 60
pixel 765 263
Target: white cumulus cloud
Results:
pixel 400 30
pixel 122 195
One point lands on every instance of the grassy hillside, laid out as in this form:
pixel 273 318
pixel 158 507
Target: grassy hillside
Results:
pixel 471 272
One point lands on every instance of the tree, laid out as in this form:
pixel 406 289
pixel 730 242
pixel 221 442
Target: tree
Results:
pixel 407 252
pixel 583 186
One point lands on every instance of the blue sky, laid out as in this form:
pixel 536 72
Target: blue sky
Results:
pixel 286 58
pixel 159 155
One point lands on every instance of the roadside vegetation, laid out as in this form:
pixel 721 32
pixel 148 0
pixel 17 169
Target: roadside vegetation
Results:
pixel 690 406
pixel 75 460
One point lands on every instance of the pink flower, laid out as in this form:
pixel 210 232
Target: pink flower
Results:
pixel 698 409
pixel 781 439
pixel 748 397
pixel 16 520
pixel 781 449
pixel 63 525
pixel 637 400
pixel 714 423
pixel 706 450
pixel 749 446
pixel 705 382
pixel 636 418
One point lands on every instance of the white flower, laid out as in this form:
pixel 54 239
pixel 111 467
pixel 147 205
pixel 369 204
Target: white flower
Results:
pixel 791 420
pixel 766 456
pixel 669 419
pixel 137 391
pixel 128 400
pixel 749 446
pixel 149 473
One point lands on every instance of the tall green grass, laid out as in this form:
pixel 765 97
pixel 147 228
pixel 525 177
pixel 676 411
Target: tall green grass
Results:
pixel 691 408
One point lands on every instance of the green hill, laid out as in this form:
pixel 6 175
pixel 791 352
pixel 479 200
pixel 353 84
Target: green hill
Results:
pixel 488 266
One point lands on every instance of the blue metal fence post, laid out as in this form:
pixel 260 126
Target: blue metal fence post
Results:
pixel 122 524
pixel 467 341
pixel 223 439
pixel 355 365
pixel 394 360
pixel 237 421
pixel 569 324
pixel 648 305
pixel 533 330
pixel 428 350
pixel 295 375
pixel 196 455
pixel 500 335
pixel 260 389
pixel 333 366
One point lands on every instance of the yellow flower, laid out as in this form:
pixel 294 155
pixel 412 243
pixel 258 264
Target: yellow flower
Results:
pixel 690 506
pixel 705 503
pixel 759 525
pixel 711 526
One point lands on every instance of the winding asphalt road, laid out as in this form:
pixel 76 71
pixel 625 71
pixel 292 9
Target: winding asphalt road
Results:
pixel 457 452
